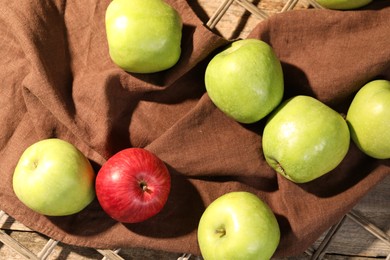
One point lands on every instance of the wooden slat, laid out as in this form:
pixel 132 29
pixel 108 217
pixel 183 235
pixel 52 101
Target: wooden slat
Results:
pixel 185 257
pixel 238 22
pixel 289 5
pixel 321 250
pixel 370 227
pixel 109 254
pixel 9 223
pixel 47 249
pixel 16 246
pixel 354 240
pixel 257 12
pixel 219 13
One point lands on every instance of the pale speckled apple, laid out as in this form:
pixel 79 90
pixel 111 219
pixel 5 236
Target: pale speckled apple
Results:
pixel 343 4
pixel 52 177
pixel 305 139
pixel 144 36
pixel 368 118
pixel 245 80
pixel 238 225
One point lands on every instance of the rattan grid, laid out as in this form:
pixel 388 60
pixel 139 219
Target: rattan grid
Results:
pixel 314 254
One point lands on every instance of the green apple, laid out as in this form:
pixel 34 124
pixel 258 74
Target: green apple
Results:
pixel 305 139
pixel 369 119
pixel 52 177
pixel 238 225
pixel 343 4
pixel 144 36
pixel 245 80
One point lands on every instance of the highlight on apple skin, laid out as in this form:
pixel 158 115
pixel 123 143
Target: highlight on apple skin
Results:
pixel 54 178
pixel 144 36
pixel 238 225
pixel 368 118
pixel 245 80
pixel 304 139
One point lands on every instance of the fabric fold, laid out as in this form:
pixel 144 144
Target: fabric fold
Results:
pixel 57 80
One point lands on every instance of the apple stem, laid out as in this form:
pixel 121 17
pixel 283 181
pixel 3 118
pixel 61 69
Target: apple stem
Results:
pixel 221 232
pixel 281 170
pixel 35 163
pixel 144 187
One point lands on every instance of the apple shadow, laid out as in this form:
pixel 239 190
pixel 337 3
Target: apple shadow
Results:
pixel 286 233
pixel 256 182
pixel 123 103
pixel 180 214
pixel 199 10
pixel 295 81
pixel 89 222
pixel 176 93
pixel 374 5
pixel 243 21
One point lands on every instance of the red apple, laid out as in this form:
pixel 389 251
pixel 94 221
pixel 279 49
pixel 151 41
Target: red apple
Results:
pixel 133 185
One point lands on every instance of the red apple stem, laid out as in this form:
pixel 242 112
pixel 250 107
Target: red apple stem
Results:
pixel 144 187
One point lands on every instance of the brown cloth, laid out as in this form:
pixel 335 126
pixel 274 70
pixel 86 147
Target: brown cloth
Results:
pixel 57 80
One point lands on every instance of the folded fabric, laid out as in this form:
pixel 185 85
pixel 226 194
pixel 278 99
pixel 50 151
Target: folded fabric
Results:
pixel 58 80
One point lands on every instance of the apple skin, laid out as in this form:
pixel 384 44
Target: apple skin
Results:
pixel 144 36
pixel 133 185
pixel 304 139
pixel 238 225
pixel 368 118
pixel 343 4
pixel 53 178
pixel 245 80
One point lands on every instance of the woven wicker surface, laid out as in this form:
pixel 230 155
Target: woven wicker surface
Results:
pixel 362 233
pixel 238 18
